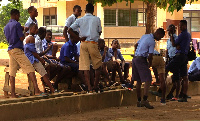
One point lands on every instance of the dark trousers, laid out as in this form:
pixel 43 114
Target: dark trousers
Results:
pixel 194 76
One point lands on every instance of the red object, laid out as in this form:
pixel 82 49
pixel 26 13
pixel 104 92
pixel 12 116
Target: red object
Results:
pixel 59 38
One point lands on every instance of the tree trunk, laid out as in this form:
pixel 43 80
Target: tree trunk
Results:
pixel 151 17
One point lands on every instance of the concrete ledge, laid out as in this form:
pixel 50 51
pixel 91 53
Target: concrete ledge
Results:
pixel 32 107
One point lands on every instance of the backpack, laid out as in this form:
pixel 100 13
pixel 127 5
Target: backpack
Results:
pixel 191 52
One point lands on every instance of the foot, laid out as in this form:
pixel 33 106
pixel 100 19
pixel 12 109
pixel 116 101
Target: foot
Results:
pixel 174 99
pixel 139 104
pixel 169 96
pixel 163 102
pixel 146 104
pixel 182 100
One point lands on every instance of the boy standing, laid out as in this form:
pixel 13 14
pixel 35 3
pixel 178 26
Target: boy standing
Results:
pixel 90 29
pixel 34 58
pixel 70 20
pixel 14 35
pixel 33 13
pixel 141 72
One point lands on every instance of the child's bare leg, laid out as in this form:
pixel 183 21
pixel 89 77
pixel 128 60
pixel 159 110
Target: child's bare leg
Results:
pixel 87 79
pixel 120 72
pixel 34 80
pixel 12 84
pixel 97 75
pixel 126 70
pixel 138 90
pixel 47 81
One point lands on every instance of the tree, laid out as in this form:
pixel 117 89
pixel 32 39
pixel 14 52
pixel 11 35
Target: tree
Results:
pixel 5 16
pixel 151 8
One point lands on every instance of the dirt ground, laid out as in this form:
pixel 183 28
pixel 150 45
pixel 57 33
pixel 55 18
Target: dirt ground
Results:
pixel 173 111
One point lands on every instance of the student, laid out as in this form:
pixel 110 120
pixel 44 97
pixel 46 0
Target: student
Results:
pixel 158 65
pixel 119 67
pixel 33 13
pixel 70 20
pixel 34 58
pixel 14 35
pixel 51 67
pixel 105 54
pixel 194 70
pixel 90 31
pixel 178 65
pixel 140 67
pixel 51 54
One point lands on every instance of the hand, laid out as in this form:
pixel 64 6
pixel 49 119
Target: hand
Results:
pixel 178 47
pixel 23 28
pixel 83 38
pixel 105 49
pixel 49 46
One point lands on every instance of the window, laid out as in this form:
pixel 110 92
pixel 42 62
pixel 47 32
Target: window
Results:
pixel 124 17
pixel 50 20
pixel 193 19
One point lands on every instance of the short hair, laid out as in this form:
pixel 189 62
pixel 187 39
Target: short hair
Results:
pixel 32 25
pixel 76 7
pixel 184 22
pixel 41 30
pixel 14 12
pixel 171 26
pixel 160 31
pixel 101 40
pixel 114 41
pixel 30 9
pixel 89 7
pixel 49 31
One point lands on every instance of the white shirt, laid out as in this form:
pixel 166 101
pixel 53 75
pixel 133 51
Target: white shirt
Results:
pixel 30 21
pixel 89 25
pixel 69 21
pixel 38 44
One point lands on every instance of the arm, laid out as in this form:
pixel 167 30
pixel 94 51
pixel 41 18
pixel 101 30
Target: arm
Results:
pixel 77 58
pixel 20 31
pixel 68 60
pixel 36 55
pixel 150 58
pixel 45 51
pixel 65 33
pixel 105 52
pixel 70 31
pixel 136 45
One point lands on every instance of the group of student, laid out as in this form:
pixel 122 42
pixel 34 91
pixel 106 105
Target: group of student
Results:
pixel 85 55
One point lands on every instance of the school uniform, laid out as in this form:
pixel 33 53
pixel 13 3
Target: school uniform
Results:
pixel 29 22
pixel 13 32
pixel 69 50
pixel 28 49
pixel 194 70
pixel 45 46
pixel 170 48
pixel 107 60
pixel 119 56
pixel 90 26
pixel 158 62
pixel 140 69
pixel 178 65
pixel 69 21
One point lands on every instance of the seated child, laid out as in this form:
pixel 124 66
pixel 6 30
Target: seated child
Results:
pixel 70 57
pixel 119 67
pixel 36 61
pixel 51 54
pixel 105 54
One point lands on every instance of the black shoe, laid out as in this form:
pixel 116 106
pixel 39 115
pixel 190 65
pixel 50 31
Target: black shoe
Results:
pixel 182 100
pixel 146 104
pixel 169 96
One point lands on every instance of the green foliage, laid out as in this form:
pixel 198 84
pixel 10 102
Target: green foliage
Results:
pixel 5 16
pixel 3 45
